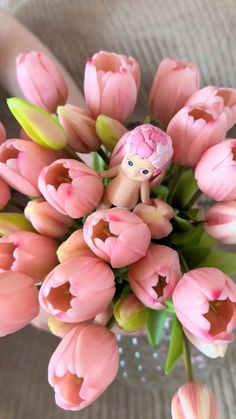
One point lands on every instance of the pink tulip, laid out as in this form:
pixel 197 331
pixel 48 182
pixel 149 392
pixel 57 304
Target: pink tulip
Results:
pixel 40 80
pixel 154 277
pixel 3 134
pixel 216 171
pixel 5 194
pixel 175 81
pixel 157 217
pixel 83 366
pixel 78 290
pixel 74 247
pixel 193 400
pixel 204 301
pixel 71 187
pixel 221 222
pixel 28 253
pixel 19 301
pixel 193 130
pixel 80 128
pixel 209 349
pixel 111 84
pixel 222 97
pixel 21 161
pixel 45 219
pixel 117 236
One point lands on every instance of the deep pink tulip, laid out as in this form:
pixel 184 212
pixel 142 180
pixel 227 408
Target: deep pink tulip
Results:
pixel 74 247
pixel 78 290
pixel 117 236
pixel 83 366
pixel 204 301
pixel 45 219
pixel 193 130
pixel 71 187
pixel 80 128
pixel 40 80
pixel 111 84
pixel 154 277
pixel 222 98
pixel 3 134
pixel 21 161
pixel 19 301
pixel 194 400
pixel 216 171
pixel 29 253
pixel 221 222
pixel 175 81
pixel 5 193
pixel 157 217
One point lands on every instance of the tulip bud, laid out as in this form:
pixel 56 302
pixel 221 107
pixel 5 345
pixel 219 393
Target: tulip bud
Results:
pixel 59 328
pixel 73 247
pixel 3 134
pixel 129 313
pixel 79 127
pixel 193 400
pixel 109 131
pixel 10 222
pixel 41 127
pixel 221 222
pixel 40 80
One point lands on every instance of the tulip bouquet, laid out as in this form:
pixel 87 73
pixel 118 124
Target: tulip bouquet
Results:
pixel 123 241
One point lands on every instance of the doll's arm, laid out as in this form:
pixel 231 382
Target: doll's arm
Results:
pixel 15 38
pixel 110 172
pixel 145 193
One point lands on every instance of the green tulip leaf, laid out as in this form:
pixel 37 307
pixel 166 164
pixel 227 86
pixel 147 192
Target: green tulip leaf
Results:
pixel 154 324
pixel 176 345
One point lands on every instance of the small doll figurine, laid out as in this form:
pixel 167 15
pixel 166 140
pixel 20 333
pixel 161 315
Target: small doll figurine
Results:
pixel 140 157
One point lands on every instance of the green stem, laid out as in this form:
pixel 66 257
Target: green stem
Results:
pixel 110 322
pixel 174 182
pixel 103 155
pixel 192 201
pixel 184 265
pixel 147 119
pixel 187 359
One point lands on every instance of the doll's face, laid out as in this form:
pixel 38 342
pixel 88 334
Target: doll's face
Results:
pixel 137 168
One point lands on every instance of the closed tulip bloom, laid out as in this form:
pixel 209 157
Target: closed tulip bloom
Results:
pixel 13 221
pixel 19 301
pixel 129 313
pixel 71 187
pixel 175 81
pixel 209 349
pixel 3 134
pixel 5 194
pixel 78 290
pixel 40 80
pixel 73 247
pixel 154 277
pixel 57 327
pixel 109 131
pixel 80 128
pixel 157 217
pixel 117 236
pixel 204 301
pixel 111 84
pixel 216 171
pixel 193 130
pixel 45 219
pixel 222 97
pixel 194 400
pixel 29 253
pixel 83 366
pixel 221 222
pixel 21 161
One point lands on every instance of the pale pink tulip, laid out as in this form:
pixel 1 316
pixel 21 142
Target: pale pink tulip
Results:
pixel 209 349
pixel 40 80
pixel 157 217
pixel 193 130
pixel 111 84
pixel 117 236
pixel 221 222
pixel 216 171
pixel 45 219
pixel 80 128
pixel 204 301
pixel 21 161
pixel 71 187
pixel 5 193
pixel 175 81
pixel 78 290
pixel 3 134
pixel 154 277
pixel 19 301
pixel 222 98
pixel 29 253
pixel 74 247
pixel 83 366
pixel 194 400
